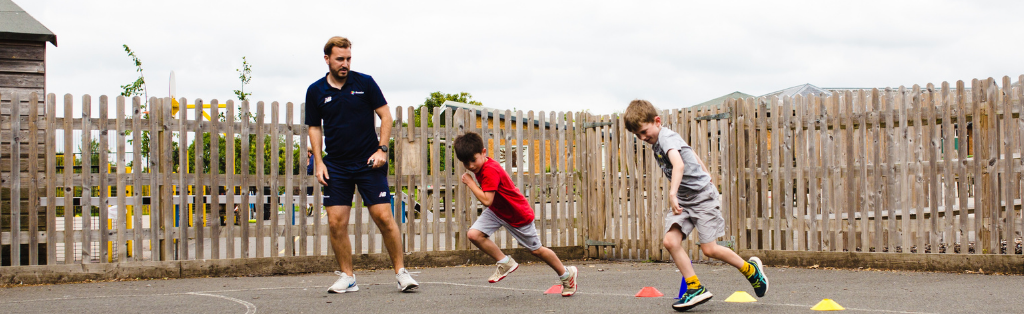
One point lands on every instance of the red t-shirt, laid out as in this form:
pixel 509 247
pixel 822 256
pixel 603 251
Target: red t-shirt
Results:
pixel 509 204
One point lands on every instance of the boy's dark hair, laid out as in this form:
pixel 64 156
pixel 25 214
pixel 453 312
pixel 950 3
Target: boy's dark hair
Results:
pixel 467 145
pixel 639 111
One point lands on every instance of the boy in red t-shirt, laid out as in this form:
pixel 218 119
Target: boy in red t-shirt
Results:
pixel 506 207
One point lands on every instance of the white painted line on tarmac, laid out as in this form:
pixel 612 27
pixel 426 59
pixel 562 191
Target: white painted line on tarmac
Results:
pixel 249 307
pixel 886 311
pixel 151 295
pixel 252 310
pixel 848 308
pixel 665 297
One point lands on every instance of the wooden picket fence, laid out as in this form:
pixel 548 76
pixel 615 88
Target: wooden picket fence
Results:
pixel 536 150
pixel 918 170
pixel 911 170
pixel 624 191
pixel 148 211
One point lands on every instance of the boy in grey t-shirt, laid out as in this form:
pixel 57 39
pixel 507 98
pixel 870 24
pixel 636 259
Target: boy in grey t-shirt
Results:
pixel 695 205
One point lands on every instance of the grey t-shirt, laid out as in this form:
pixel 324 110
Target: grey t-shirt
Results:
pixel 694 176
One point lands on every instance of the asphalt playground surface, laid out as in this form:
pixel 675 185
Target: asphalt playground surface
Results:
pixel 604 287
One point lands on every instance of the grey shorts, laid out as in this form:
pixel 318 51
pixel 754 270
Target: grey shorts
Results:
pixel 701 209
pixel 488 223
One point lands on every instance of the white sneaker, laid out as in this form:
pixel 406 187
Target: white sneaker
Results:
pixel 344 284
pixel 569 284
pixel 405 281
pixel 503 270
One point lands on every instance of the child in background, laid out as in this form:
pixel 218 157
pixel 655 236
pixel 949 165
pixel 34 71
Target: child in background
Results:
pixel 506 207
pixel 695 205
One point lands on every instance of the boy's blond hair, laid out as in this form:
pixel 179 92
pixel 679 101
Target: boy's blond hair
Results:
pixel 639 112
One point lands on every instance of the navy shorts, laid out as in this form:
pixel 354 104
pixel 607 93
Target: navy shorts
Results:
pixel 372 184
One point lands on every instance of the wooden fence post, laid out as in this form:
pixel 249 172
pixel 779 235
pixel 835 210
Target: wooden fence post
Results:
pixel 87 180
pixel 275 198
pixel 34 184
pixel 155 198
pixel 213 179
pixel 15 178
pixel 166 174
pixel 232 180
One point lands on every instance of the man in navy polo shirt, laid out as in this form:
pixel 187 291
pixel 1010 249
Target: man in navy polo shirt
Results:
pixel 339 110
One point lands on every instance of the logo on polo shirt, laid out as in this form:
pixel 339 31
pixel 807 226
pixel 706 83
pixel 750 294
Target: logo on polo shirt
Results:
pixel 357 93
pixel 327 100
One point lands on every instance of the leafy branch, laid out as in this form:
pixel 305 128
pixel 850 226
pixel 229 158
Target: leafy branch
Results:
pixel 244 74
pixel 138 87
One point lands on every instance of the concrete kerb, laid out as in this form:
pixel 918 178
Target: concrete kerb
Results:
pixel 988 263
pixel 239 267
pixel 268 266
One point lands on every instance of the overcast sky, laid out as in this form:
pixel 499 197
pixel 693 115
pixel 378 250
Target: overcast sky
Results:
pixel 530 55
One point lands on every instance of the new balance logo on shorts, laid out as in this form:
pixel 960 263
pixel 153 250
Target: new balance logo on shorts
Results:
pixel 327 196
pixel 383 194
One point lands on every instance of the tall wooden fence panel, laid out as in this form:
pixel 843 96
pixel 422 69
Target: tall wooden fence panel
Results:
pixel 626 193
pixel 934 169
pixel 126 180
pixel 922 169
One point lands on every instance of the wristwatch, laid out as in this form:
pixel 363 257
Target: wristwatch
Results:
pixel 383 148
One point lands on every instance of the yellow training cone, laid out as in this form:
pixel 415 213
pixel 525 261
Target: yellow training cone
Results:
pixel 828 305
pixel 740 297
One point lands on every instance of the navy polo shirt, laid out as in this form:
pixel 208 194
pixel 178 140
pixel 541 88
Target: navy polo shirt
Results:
pixel 347 118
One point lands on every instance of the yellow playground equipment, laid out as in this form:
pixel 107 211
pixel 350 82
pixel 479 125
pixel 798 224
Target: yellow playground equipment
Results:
pixel 129 213
pixel 172 91
pixel 175 106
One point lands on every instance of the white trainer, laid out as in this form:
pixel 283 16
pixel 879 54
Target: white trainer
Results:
pixel 344 284
pixel 503 270
pixel 405 281
pixel 569 284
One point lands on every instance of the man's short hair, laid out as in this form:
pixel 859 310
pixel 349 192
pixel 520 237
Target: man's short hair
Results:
pixel 467 145
pixel 639 111
pixel 336 41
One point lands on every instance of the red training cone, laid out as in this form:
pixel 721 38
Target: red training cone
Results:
pixel 649 292
pixel 556 289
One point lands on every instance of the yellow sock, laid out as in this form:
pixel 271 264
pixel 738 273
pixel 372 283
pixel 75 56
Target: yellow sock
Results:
pixel 747 269
pixel 692 282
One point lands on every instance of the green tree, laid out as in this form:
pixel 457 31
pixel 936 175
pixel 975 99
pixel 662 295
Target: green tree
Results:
pixel 436 99
pixel 283 167
pixel 253 153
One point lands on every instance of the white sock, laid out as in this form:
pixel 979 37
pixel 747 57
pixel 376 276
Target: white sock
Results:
pixel 505 260
pixel 565 274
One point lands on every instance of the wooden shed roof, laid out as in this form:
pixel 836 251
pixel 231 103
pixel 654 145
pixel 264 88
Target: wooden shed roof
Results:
pixel 16 24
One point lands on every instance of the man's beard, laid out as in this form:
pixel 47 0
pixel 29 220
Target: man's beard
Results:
pixel 338 74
